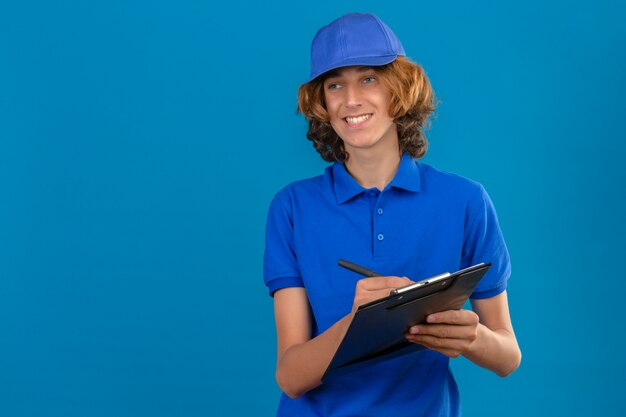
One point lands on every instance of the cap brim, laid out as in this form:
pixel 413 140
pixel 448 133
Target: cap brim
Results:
pixel 373 61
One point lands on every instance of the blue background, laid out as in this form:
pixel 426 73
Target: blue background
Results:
pixel 141 143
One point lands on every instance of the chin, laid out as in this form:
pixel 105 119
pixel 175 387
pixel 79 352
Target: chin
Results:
pixel 357 145
pixel 362 142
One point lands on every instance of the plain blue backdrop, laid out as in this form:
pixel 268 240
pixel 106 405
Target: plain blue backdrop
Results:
pixel 142 141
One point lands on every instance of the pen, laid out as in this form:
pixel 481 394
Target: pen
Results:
pixel 359 269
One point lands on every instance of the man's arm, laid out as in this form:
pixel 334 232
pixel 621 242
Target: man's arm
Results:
pixel 485 336
pixel 302 359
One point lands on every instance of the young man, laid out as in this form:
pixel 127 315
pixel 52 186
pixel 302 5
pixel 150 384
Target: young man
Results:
pixel 367 106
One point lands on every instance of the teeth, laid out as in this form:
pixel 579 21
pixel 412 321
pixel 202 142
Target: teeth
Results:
pixel 359 119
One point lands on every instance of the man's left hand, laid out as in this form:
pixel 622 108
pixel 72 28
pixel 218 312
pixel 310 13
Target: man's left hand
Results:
pixel 451 332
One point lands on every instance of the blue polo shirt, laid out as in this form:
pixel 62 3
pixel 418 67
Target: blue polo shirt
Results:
pixel 423 223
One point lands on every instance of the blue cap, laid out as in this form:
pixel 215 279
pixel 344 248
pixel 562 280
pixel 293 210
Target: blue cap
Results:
pixel 353 39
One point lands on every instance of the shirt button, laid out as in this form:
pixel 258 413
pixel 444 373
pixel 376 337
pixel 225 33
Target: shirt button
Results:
pixel 380 211
pixel 380 236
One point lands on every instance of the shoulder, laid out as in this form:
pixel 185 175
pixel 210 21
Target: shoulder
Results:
pixel 304 189
pixel 449 185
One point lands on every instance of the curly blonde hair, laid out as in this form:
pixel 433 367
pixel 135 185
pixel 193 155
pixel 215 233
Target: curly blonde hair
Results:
pixel 412 102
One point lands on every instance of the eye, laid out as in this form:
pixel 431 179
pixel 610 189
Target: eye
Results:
pixel 369 79
pixel 333 86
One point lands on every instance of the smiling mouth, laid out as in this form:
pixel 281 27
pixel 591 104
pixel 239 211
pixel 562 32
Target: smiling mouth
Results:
pixel 355 120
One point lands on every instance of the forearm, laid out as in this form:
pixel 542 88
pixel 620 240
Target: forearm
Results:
pixel 301 367
pixel 496 350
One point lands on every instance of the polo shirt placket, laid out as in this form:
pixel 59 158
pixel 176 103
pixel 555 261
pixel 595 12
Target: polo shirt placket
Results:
pixel 379 247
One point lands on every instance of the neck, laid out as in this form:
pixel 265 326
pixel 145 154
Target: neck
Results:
pixel 372 170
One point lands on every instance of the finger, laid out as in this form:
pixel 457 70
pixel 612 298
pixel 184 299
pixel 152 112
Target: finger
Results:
pixel 363 296
pixel 380 283
pixel 391 283
pixel 449 352
pixel 459 317
pixel 372 295
pixel 438 344
pixel 445 331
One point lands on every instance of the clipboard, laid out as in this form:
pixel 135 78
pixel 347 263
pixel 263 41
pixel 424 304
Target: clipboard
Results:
pixel 376 333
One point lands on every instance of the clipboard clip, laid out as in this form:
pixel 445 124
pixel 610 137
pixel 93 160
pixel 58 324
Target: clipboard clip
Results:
pixel 419 284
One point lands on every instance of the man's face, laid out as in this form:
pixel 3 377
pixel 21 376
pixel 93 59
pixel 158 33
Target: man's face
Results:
pixel 358 105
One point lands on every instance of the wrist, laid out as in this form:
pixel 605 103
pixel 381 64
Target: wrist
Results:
pixel 476 347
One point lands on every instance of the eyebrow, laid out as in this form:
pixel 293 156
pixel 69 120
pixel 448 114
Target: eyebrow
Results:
pixel 331 74
pixel 336 72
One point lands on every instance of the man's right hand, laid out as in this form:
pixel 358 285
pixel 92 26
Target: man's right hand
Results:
pixel 370 289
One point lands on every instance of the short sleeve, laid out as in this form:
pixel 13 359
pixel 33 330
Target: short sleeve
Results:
pixel 483 242
pixel 280 263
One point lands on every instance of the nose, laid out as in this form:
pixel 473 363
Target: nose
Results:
pixel 353 96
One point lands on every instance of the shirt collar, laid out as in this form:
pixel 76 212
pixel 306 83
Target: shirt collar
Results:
pixel 407 178
pixel 408 175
